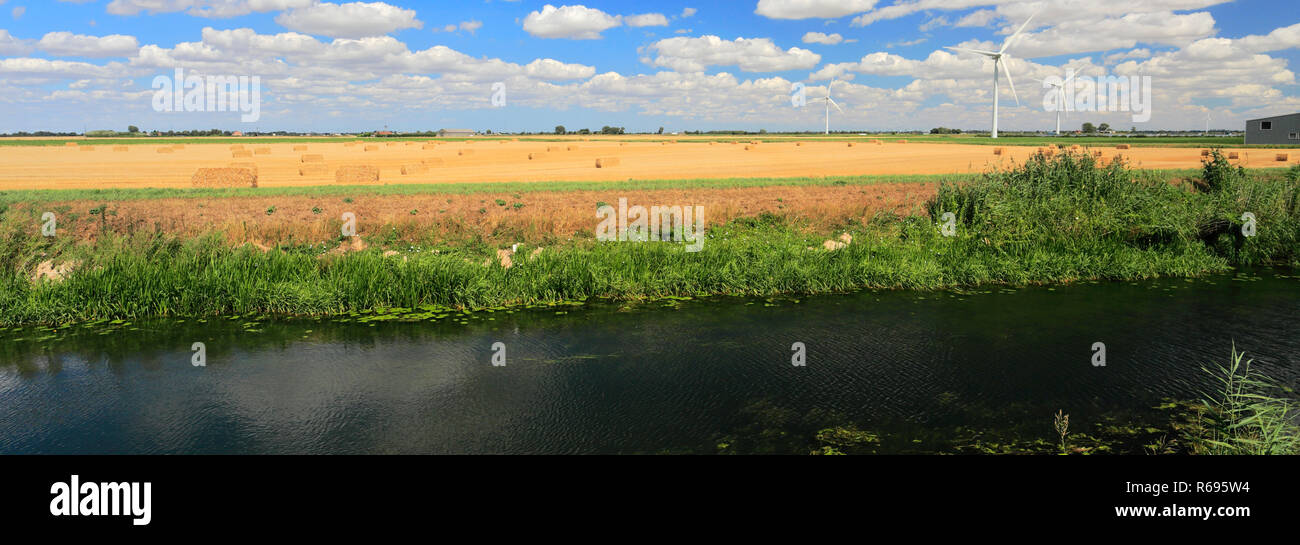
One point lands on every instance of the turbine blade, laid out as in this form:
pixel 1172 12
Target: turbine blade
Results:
pixel 1072 76
pixel 1010 83
pixel 980 51
pixel 837 106
pixel 1012 37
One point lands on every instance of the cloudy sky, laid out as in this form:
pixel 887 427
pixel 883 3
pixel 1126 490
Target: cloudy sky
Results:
pixel 72 65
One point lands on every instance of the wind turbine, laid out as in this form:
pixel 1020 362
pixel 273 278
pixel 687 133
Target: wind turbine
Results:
pixel 828 103
pixel 1207 124
pixel 998 60
pixel 1060 94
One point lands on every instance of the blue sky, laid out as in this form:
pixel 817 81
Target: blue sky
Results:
pixel 329 66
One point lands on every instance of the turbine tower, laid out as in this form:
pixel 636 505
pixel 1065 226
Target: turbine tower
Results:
pixel 828 102
pixel 1060 97
pixel 998 59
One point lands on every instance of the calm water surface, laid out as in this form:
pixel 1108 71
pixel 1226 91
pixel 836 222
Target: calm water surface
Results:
pixel 650 378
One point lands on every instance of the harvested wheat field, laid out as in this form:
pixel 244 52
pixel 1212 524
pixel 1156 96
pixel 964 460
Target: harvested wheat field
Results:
pixel 558 213
pixel 58 167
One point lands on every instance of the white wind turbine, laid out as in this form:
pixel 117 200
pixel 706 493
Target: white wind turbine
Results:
pixel 1060 97
pixel 998 60
pixel 1207 124
pixel 828 103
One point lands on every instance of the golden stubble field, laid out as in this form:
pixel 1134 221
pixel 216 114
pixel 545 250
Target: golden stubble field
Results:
pixel 141 165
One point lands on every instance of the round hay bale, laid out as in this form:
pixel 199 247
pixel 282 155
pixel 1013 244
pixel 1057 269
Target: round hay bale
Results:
pixel 223 177
pixel 234 154
pixel 536 155
pixel 312 158
pixel 357 174
pixel 851 144
pixel 553 148
pixel 606 162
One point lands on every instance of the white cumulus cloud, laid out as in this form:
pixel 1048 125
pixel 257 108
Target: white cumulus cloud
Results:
pixel 351 20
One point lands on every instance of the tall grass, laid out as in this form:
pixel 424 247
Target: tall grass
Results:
pixel 1053 220
pixel 1248 414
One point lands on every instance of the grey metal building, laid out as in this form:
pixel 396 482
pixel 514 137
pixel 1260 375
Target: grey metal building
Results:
pixel 1282 129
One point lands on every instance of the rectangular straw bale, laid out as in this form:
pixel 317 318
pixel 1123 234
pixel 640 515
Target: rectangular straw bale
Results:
pixel 606 162
pixel 536 155
pixel 235 154
pixel 169 150
pixel 1283 157
pixel 251 167
pixel 433 161
pixel 313 169
pixel 300 148
pixel 1205 153
pixel 571 148
pixel 1233 155
pixel 904 141
pixel 121 148
pixel 466 152
pixel 429 146
pixel 999 151
pixel 71 144
pixel 414 168
pixel 223 177
pixel 355 174
pixel 237 147
pixel 87 148
pixel 372 148
pixel 1122 146
pixel 178 147
pixel 262 151
pixel 312 158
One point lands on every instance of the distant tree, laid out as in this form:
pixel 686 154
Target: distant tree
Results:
pixel 584 131
pixel 132 129
pixel 1089 128
pixel 1104 127
pixel 611 130
pixel 559 129
pixel 944 130
pixel 661 130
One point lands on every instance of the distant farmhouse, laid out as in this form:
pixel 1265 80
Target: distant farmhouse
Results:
pixel 456 133
pixel 1282 129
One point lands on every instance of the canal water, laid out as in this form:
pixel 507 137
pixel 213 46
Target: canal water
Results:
pixel 923 371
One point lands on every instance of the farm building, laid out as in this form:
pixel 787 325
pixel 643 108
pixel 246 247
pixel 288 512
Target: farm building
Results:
pixel 456 133
pixel 1282 129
